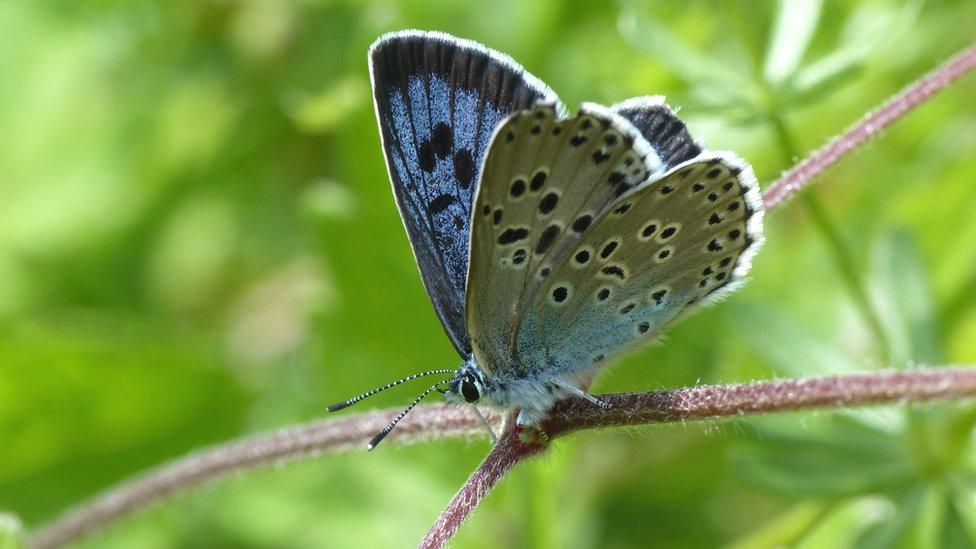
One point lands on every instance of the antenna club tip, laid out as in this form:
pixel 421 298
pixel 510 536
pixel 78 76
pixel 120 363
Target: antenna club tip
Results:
pixel 370 446
pixel 337 406
pixel 376 440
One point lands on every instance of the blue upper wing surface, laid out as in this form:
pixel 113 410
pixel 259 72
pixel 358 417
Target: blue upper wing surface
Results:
pixel 438 101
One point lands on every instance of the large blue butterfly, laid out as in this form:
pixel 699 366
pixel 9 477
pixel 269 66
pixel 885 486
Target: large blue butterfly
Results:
pixel 548 243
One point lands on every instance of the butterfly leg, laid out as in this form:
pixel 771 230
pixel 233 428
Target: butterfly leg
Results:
pixel 485 424
pixel 531 422
pixel 572 389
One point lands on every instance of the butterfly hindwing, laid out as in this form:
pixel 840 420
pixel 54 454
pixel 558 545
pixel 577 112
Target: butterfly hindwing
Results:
pixel 661 127
pixel 438 101
pixel 660 251
pixel 545 180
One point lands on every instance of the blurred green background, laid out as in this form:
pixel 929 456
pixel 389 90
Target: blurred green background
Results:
pixel 198 242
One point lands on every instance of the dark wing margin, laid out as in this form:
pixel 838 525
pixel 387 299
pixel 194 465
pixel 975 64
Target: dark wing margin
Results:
pixel 662 128
pixel 438 100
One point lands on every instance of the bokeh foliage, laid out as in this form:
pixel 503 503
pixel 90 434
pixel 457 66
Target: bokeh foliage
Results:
pixel 198 241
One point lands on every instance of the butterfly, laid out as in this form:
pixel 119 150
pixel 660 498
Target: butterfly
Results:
pixel 549 243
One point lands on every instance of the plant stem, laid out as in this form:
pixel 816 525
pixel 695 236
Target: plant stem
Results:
pixel 868 127
pixel 507 453
pixel 720 401
pixel 291 443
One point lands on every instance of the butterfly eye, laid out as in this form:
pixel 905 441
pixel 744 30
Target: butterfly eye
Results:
pixel 469 391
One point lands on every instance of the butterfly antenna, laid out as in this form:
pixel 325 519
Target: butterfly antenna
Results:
pixel 346 403
pixel 386 430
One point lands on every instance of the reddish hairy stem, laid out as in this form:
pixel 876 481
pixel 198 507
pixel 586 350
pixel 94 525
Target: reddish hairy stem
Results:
pixel 303 441
pixel 720 401
pixel 698 403
pixel 443 421
pixel 869 126
pixel 507 453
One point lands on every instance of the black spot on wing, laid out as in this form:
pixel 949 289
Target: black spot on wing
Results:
pixel 548 203
pixel 658 296
pixel 538 180
pixel 518 188
pixel 559 294
pixel 519 256
pixel 440 203
pixel 426 156
pixel 443 139
pixel 512 234
pixel 547 238
pixel 614 270
pixel 464 168
pixel 582 223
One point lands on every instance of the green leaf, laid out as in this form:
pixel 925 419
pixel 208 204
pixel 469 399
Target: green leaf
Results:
pixel 686 62
pixel 792 351
pixel 813 82
pixel 964 510
pixel 916 523
pixel 833 456
pixel 786 528
pixel 865 32
pixel 789 348
pixel 902 294
pixel 795 24
pixel 846 523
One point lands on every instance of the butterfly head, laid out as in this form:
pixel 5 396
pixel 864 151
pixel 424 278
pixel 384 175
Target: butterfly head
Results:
pixel 468 385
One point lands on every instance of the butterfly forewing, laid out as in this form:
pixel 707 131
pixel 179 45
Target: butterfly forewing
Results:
pixel 544 182
pixel 658 252
pixel 438 100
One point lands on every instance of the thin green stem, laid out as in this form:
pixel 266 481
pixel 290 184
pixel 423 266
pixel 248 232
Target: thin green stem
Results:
pixel 839 250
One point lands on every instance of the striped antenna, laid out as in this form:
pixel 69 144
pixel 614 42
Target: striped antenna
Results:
pixel 347 403
pixel 386 430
